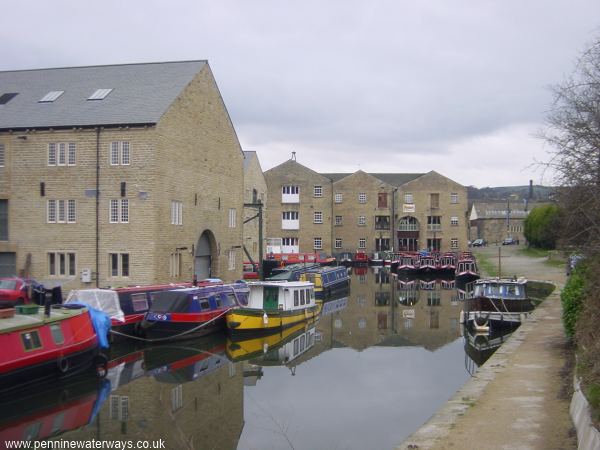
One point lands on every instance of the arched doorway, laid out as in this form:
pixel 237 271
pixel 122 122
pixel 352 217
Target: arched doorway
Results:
pixel 203 256
pixel 408 234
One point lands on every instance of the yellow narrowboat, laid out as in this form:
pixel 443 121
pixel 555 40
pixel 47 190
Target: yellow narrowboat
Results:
pixel 253 347
pixel 272 306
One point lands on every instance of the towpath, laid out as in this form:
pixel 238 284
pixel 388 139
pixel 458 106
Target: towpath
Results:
pixel 519 399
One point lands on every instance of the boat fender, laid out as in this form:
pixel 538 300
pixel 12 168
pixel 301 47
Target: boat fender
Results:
pixel 265 319
pixel 63 365
pixel 101 365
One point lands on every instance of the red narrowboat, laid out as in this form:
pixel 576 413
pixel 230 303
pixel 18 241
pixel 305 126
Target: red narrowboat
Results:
pixel 360 258
pixel 295 258
pixel 36 346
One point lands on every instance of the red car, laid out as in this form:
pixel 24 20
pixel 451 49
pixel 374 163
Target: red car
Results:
pixel 14 291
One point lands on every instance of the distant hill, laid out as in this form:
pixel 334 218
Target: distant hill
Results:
pixel 540 193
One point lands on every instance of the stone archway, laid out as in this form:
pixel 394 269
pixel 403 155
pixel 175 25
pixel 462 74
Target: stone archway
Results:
pixel 203 257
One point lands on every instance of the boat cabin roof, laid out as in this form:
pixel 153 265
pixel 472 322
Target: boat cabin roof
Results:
pixel 28 321
pixel 507 281
pixel 105 300
pixel 281 284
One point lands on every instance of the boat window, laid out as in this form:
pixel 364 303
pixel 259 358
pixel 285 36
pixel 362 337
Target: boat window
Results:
pixel 302 342
pixel 217 300
pixel 308 296
pixel 31 340
pixel 296 300
pixel 139 302
pixel 228 299
pixel 57 334
pixel 204 303
pixel 296 346
pixel 302 298
pixel 171 301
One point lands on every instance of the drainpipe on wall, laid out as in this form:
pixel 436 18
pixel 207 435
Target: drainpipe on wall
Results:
pixel 97 206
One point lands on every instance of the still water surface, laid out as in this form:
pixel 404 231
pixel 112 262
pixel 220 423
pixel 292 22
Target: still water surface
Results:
pixel 375 366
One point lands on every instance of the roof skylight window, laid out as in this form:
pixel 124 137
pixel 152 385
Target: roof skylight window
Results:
pixel 51 96
pixel 7 97
pixel 100 94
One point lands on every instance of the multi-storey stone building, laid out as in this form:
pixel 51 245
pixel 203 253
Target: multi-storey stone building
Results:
pixel 114 175
pixel 340 212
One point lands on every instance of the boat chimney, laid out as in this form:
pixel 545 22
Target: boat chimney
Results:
pixel 293 156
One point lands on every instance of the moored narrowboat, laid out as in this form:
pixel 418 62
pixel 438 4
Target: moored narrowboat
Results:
pixel 328 280
pixel 291 272
pixel 189 312
pixel 36 346
pixel 360 258
pixel 497 301
pixel 466 268
pixel 274 305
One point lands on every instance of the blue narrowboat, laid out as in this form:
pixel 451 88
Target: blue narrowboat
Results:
pixel 327 280
pixel 190 312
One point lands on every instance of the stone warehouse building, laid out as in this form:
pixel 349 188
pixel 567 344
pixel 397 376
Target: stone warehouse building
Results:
pixel 495 221
pixel 343 212
pixel 118 175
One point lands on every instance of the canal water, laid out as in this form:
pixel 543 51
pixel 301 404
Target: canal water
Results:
pixel 369 372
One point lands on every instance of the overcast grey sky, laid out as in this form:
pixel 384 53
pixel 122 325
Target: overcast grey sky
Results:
pixel 459 87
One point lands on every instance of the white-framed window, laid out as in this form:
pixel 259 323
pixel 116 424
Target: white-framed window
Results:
pixel 71 214
pixel 71 158
pixel 61 211
pixel 51 211
pixel 408 198
pixel 338 220
pixel 175 264
pixel 362 243
pixel 454 221
pixel 362 197
pixel 454 197
pixel 2 155
pixel 454 243
pixel 120 153
pixel 338 198
pixel 231 259
pixel 176 398
pixel 318 243
pixel 362 220
pixel 318 217
pixel 62 154
pixel 118 264
pixel 62 264
pixel 176 212
pixel 338 242
pixel 288 241
pixel 119 210
pixel 232 217
pixel 318 191
pixel 290 190
pixel 290 215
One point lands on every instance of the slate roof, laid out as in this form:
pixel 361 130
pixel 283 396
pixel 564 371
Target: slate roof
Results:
pixel 141 94
pixel 499 210
pixel 395 179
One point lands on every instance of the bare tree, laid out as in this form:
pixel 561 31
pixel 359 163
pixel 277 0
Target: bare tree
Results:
pixel 573 131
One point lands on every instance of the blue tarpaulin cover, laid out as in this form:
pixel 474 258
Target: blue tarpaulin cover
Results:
pixel 101 322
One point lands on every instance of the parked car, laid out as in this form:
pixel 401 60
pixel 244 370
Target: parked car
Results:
pixel 479 243
pixel 509 241
pixel 16 291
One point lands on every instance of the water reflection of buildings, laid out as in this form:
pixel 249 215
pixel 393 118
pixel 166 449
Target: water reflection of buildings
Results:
pixel 190 395
pixel 385 310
